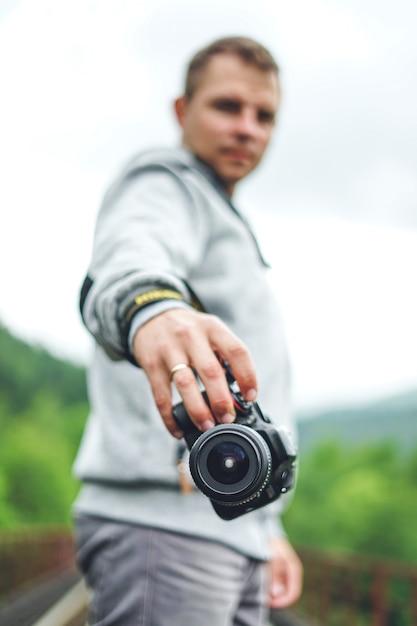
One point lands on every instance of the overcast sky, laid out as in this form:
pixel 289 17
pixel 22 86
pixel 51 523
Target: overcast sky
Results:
pixel 86 84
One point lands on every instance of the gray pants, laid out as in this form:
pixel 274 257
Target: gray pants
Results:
pixel 147 577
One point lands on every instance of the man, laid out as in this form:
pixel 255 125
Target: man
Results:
pixel 169 243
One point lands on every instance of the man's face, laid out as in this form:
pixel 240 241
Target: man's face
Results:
pixel 229 120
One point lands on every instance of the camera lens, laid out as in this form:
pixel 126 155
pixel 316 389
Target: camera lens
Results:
pixel 230 463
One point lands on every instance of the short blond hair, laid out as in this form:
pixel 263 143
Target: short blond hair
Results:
pixel 249 50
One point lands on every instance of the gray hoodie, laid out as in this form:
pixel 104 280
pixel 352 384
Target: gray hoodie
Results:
pixel 167 223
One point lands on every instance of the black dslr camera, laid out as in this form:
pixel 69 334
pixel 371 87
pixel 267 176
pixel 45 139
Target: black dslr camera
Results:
pixel 240 466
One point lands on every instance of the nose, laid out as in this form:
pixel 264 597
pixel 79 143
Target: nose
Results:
pixel 247 125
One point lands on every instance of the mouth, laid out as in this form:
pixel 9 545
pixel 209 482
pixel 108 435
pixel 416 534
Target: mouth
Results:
pixel 238 154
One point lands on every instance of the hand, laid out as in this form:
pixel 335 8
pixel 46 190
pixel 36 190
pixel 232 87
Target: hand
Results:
pixel 197 339
pixel 286 574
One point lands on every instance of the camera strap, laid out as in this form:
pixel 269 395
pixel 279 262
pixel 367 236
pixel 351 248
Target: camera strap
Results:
pixel 184 476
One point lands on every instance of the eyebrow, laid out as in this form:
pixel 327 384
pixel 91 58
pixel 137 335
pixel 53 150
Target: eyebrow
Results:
pixel 227 100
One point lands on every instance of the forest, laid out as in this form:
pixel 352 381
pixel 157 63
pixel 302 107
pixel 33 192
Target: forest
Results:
pixel 352 496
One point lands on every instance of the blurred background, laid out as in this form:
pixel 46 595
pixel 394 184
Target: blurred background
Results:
pixel 85 84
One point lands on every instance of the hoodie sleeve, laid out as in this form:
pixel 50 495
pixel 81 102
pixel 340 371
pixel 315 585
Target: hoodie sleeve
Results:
pixel 151 231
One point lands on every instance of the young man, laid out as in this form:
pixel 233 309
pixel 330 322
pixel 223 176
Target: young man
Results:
pixel 168 242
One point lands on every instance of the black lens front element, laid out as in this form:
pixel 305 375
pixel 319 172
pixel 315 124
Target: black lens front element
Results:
pixel 228 463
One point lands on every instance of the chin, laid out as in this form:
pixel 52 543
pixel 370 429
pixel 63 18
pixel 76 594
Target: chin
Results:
pixel 237 169
pixel 237 174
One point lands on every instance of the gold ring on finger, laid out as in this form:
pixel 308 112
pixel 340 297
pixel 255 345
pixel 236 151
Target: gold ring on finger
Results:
pixel 177 368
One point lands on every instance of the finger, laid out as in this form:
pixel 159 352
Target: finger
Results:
pixel 160 383
pixel 194 403
pixel 212 375
pixel 235 352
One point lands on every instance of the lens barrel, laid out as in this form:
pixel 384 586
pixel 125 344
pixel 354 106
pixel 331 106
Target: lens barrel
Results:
pixel 230 464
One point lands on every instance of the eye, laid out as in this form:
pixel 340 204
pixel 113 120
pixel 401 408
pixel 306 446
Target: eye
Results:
pixel 229 106
pixel 266 117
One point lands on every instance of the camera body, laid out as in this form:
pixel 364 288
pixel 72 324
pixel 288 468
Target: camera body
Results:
pixel 241 466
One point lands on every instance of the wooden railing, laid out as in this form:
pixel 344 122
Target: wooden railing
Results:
pixel 342 590
pixel 29 556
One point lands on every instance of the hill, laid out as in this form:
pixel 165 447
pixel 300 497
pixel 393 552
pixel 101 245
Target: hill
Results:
pixel 389 419
pixel 27 370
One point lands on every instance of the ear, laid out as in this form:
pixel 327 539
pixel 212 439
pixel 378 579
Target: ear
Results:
pixel 180 106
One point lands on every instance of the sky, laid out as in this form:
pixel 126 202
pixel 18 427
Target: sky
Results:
pixel 85 84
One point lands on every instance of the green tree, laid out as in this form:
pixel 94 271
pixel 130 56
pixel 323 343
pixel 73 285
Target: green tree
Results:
pixel 359 499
